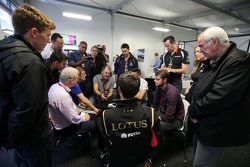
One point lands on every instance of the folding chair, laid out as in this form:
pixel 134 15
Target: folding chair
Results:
pixel 184 128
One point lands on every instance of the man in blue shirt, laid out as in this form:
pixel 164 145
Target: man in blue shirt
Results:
pixel 79 57
pixel 157 63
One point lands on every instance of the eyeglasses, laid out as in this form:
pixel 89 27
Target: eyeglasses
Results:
pixel 76 79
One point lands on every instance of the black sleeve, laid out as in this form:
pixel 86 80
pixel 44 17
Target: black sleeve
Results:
pixel 29 89
pixel 185 59
pixel 100 126
pixel 188 96
pixel 156 100
pixel 116 65
pixel 232 82
pixel 136 63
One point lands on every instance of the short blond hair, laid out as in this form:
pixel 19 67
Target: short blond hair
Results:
pixel 26 17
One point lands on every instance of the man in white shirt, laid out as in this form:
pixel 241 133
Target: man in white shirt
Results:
pixel 63 112
pixel 142 94
pixel 57 45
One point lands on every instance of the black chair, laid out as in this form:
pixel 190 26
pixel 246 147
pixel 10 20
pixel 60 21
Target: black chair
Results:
pixel 61 136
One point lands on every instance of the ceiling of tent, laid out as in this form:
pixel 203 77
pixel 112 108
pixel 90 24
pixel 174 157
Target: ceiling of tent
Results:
pixel 232 15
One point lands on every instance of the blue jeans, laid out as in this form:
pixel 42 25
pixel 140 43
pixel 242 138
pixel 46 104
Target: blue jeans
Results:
pixel 207 156
pixel 35 154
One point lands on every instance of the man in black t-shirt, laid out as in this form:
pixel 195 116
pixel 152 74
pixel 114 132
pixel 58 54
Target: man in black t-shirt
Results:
pixel 176 61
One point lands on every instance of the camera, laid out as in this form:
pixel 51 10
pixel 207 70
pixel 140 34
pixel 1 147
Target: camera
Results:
pixel 88 58
pixel 100 49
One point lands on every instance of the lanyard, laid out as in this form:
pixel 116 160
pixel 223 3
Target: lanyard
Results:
pixel 64 86
pixel 171 61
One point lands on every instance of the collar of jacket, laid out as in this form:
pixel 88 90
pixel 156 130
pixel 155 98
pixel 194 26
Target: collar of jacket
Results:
pixel 215 64
pixel 127 103
pixel 130 55
pixel 17 36
pixel 206 62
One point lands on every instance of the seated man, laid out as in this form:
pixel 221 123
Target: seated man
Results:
pixel 55 63
pixel 63 111
pixel 142 94
pixel 128 127
pixel 77 95
pixel 103 87
pixel 168 101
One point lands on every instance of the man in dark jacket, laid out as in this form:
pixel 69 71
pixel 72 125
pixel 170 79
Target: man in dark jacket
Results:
pixel 220 104
pixel 55 64
pixel 128 127
pixel 24 123
pixel 125 62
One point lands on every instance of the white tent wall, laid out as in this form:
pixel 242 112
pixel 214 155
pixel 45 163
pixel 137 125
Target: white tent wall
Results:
pixel 241 41
pixel 113 30
pixel 3 35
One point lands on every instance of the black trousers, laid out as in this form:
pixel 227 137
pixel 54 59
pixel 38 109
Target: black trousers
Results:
pixel 38 153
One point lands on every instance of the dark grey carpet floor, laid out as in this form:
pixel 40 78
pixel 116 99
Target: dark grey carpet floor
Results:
pixel 170 155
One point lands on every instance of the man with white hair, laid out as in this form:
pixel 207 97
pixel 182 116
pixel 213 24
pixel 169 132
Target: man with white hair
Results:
pixel 219 108
pixel 63 111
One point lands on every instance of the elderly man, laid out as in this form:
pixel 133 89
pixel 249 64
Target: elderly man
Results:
pixel 63 112
pixel 24 123
pixel 103 87
pixel 220 104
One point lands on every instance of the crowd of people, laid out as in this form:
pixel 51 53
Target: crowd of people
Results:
pixel 42 92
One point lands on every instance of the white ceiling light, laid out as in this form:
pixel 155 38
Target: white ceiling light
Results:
pixel 77 16
pixel 161 29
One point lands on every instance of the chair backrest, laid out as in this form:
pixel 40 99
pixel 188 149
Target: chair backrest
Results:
pixel 185 120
